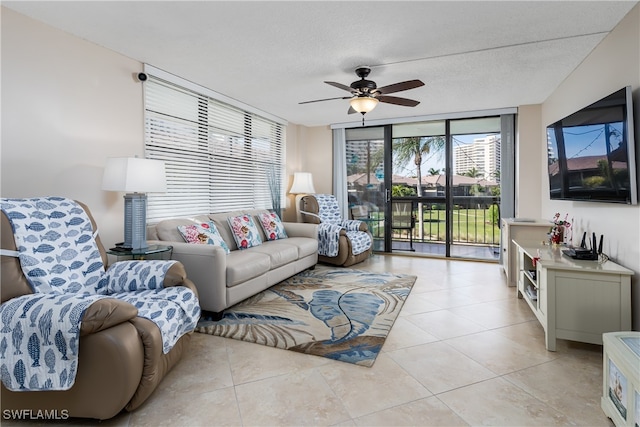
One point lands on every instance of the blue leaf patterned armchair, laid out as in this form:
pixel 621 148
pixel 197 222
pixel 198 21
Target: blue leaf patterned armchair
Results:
pixel 340 242
pixel 77 339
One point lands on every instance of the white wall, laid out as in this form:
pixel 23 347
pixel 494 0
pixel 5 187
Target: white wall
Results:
pixel 528 182
pixel 309 149
pixel 318 143
pixel 614 63
pixel 67 105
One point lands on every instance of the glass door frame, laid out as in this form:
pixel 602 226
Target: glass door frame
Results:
pixel 371 202
pixel 388 176
pixel 507 200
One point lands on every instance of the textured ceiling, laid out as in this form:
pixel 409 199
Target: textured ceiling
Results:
pixel 472 55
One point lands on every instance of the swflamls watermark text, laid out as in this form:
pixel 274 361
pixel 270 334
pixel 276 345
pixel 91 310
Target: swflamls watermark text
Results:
pixel 35 414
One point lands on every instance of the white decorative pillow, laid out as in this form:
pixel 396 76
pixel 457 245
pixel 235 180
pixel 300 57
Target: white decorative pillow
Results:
pixel 244 231
pixel 272 226
pixel 203 234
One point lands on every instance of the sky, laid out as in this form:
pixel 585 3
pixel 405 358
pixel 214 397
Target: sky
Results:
pixel 436 160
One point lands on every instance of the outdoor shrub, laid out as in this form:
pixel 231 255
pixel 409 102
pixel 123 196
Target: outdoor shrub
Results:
pixel 494 214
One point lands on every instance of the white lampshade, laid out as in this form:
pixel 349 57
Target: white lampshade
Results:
pixel 363 104
pixel 302 183
pixel 134 175
pixel 140 176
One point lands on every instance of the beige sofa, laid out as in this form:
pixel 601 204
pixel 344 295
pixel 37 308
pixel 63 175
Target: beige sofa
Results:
pixel 224 279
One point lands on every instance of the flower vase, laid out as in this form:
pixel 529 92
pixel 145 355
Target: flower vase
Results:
pixel 557 235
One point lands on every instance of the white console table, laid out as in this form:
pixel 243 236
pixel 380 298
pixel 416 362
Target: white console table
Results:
pixel 521 230
pixel 573 299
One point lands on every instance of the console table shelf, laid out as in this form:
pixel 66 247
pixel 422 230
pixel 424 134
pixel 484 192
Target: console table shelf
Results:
pixel 521 230
pixel 573 299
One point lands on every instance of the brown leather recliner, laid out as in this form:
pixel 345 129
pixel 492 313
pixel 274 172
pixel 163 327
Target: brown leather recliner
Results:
pixel 120 362
pixel 310 209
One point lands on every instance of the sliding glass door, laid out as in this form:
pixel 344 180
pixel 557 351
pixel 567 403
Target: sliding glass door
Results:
pixel 431 187
pixel 367 195
pixel 418 157
pixel 475 188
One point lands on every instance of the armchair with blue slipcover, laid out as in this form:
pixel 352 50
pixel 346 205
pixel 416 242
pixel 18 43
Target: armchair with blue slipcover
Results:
pixel 340 242
pixel 78 339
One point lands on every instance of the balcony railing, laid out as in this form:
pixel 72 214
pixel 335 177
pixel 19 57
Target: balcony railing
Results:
pixel 475 221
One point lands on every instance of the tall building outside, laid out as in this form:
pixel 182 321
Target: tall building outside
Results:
pixel 483 154
pixel 359 154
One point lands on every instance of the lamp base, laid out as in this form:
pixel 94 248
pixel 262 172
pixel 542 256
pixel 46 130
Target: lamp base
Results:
pixel 135 220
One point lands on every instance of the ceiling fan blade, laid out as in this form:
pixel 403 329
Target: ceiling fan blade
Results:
pixel 351 111
pixel 398 87
pixel 340 86
pixel 398 101
pixel 325 99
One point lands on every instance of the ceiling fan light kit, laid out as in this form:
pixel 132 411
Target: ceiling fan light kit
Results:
pixel 363 104
pixel 365 94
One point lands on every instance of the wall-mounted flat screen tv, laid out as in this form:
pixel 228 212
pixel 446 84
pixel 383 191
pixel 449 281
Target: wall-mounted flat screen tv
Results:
pixel 592 152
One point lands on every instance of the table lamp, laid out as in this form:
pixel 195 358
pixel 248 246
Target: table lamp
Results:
pixel 136 177
pixel 302 185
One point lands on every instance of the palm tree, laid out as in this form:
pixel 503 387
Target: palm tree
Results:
pixel 473 173
pixel 415 148
pixel 434 171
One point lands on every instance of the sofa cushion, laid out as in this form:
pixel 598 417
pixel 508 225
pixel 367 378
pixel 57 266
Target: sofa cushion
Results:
pixel 222 224
pixel 279 252
pixel 245 265
pixel 244 231
pixel 203 234
pixel 167 230
pixel 305 245
pixel 272 226
pixel 221 221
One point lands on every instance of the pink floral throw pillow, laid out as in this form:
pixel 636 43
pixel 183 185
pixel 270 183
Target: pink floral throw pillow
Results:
pixel 244 231
pixel 203 234
pixel 272 226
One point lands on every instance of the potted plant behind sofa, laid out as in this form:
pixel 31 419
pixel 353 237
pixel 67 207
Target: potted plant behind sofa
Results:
pixel 275 187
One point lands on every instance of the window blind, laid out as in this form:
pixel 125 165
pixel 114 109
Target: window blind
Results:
pixel 218 157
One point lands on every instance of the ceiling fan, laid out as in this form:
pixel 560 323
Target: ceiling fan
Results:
pixel 365 94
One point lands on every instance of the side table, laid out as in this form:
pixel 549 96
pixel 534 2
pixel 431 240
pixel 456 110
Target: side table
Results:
pixel 150 252
pixel 621 378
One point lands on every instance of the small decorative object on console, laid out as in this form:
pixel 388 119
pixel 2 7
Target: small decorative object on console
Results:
pixel 559 228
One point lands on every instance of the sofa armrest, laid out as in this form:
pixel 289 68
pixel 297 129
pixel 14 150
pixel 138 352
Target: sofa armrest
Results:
pixel 206 267
pixel 106 313
pixel 300 229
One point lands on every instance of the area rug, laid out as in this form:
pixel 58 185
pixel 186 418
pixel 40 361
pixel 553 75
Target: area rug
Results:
pixel 338 313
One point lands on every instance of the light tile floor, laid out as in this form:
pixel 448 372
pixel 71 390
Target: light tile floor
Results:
pixel 464 351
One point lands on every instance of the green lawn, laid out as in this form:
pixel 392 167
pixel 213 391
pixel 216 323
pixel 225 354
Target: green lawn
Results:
pixel 469 226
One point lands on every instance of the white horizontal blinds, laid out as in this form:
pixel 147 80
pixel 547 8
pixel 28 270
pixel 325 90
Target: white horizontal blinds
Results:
pixel 174 135
pixel 231 173
pixel 216 155
pixel 264 142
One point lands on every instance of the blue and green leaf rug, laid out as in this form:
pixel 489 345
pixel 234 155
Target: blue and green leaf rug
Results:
pixel 338 313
